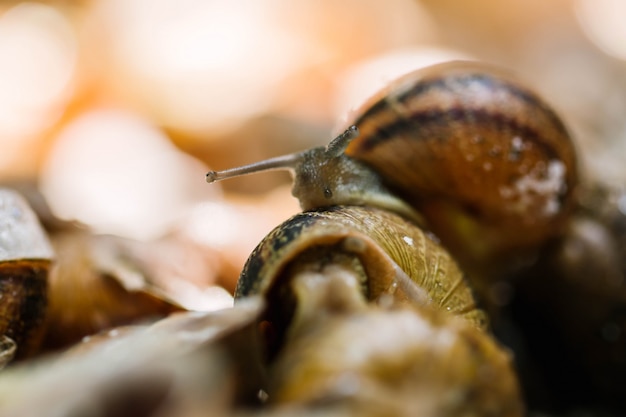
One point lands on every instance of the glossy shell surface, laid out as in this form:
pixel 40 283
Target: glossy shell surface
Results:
pixel 473 150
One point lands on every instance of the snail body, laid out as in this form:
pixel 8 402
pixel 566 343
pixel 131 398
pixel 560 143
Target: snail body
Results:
pixel 461 148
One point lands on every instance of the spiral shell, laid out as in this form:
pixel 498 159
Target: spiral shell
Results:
pixel 381 242
pixel 390 255
pixel 487 162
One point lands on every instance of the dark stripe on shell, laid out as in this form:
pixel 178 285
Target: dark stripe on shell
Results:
pixel 440 118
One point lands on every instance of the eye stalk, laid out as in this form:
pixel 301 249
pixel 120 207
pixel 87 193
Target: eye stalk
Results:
pixel 337 146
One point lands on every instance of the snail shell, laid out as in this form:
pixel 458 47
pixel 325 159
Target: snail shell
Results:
pixel 25 258
pixel 392 254
pixel 484 159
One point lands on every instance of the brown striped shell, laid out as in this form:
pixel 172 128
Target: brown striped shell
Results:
pixel 485 160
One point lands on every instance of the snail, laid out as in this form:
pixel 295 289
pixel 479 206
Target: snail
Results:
pixel 461 148
pixel 397 282
pixel 25 260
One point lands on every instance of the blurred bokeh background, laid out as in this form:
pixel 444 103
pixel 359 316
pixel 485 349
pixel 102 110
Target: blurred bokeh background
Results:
pixel 115 109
